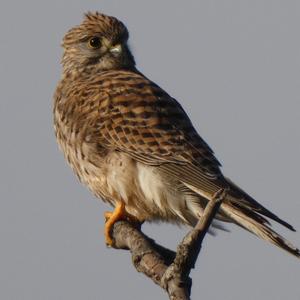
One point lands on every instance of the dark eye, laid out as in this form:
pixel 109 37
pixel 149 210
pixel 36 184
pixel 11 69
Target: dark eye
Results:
pixel 94 42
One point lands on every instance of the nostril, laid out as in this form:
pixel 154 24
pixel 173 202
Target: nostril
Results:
pixel 116 49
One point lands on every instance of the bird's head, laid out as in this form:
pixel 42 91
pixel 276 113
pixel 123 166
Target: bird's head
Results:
pixel 98 43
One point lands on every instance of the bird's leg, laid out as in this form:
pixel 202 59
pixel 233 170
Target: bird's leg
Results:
pixel 107 215
pixel 111 218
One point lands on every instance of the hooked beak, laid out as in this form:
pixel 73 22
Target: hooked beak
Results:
pixel 116 50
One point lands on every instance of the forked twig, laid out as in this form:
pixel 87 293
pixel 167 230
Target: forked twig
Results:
pixel 166 268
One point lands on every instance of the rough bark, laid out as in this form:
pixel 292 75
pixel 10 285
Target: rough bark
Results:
pixel 169 269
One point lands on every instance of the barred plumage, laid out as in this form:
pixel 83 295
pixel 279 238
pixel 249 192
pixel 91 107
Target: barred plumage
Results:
pixel 132 143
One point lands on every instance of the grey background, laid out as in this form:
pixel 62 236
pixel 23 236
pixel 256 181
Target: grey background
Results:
pixel 235 67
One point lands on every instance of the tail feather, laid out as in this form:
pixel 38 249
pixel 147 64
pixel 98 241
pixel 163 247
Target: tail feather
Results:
pixel 242 199
pixel 252 224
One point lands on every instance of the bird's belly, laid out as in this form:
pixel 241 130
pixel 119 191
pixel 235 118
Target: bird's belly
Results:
pixel 88 171
pixel 84 159
pixel 146 193
pixel 114 176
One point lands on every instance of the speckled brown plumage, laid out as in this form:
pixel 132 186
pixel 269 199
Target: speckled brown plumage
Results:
pixel 131 142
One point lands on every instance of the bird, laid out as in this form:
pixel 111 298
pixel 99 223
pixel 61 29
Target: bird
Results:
pixel 134 146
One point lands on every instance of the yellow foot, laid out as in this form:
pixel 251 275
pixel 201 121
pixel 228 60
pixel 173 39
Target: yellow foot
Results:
pixel 107 215
pixel 111 218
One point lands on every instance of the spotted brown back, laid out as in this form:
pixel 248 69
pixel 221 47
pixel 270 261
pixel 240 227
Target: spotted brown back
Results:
pixel 138 117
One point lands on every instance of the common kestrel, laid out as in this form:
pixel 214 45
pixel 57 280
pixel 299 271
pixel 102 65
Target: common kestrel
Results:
pixel 133 145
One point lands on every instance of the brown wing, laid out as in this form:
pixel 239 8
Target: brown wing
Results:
pixel 141 119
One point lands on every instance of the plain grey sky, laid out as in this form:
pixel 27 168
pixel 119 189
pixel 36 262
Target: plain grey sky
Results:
pixel 234 66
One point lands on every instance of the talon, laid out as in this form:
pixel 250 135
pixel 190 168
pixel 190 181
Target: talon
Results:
pixel 107 215
pixel 111 218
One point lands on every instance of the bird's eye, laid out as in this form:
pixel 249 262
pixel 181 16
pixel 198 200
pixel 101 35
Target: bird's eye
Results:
pixel 94 42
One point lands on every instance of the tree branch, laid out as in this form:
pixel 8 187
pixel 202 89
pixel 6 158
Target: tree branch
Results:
pixel 166 268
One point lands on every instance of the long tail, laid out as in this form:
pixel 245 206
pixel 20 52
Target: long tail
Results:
pixel 257 225
pixel 241 199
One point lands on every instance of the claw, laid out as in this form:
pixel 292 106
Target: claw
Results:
pixel 107 215
pixel 111 218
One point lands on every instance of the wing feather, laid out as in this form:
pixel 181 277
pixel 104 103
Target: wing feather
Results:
pixel 145 122
pixel 142 120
